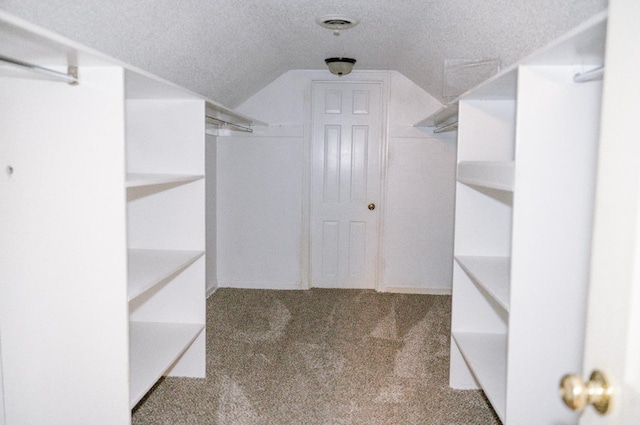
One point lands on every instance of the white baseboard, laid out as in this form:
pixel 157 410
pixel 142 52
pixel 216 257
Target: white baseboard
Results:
pixel 261 285
pixel 211 288
pixel 422 291
pixel 335 286
pixel 299 286
pixel 211 291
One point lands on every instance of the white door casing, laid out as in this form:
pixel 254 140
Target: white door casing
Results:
pixel 346 151
pixel 613 326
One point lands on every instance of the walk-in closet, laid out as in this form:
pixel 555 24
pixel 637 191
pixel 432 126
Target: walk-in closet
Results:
pixel 241 212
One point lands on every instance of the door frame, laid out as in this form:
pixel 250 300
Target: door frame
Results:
pixel 374 77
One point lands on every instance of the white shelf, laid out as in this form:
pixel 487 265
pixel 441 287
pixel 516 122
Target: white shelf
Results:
pixel 154 348
pixel 138 180
pixel 490 273
pixel 148 267
pixel 142 85
pixel 486 356
pixel 491 174
pixel 216 110
pixel 445 115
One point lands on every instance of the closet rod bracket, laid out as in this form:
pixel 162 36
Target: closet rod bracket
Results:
pixel 72 71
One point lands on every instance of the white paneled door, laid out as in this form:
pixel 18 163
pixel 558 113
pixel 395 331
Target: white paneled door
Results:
pixel 346 141
pixel 613 326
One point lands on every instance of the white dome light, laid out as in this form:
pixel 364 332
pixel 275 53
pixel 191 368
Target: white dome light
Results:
pixel 340 66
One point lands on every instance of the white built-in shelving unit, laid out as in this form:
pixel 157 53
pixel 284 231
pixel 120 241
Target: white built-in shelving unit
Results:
pixel 102 281
pixel 527 148
pixel 166 236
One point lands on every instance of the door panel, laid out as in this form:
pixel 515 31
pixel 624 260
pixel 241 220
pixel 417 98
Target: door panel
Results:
pixel 333 102
pixel 357 249
pixel 330 248
pixel 331 178
pixel 346 142
pixel 360 102
pixel 359 149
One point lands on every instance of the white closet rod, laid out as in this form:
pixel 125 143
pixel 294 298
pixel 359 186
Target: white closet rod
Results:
pixel 71 77
pixel 445 128
pixel 230 125
pixel 591 75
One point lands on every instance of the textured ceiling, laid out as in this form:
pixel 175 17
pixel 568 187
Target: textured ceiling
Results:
pixel 230 49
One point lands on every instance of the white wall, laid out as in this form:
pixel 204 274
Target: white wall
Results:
pixel 418 233
pixel 262 199
pixel 260 211
pixel 420 196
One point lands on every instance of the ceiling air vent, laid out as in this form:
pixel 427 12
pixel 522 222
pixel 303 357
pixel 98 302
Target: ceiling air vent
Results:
pixel 337 23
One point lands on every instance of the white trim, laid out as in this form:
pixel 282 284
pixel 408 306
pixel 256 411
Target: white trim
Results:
pixel 243 284
pixel 305 249
pixel 286 286
pixel 279 131
pixel 212 289
pixel 382 188
pixel 421 291
pixel 333 286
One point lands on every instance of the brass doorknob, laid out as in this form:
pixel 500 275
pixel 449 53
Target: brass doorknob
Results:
pixel 372 207
pixel 577 394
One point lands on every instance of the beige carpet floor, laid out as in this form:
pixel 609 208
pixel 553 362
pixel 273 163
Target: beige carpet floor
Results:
pixel 324 357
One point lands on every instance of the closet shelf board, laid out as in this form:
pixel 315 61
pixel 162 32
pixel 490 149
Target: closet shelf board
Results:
pixel 154 347
pixel 139 179
pixel 445 115
pixel 148 268
pixel 490 174
pixel 490 273
pixel 486 356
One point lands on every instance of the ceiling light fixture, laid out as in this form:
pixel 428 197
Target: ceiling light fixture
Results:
pixel 340 66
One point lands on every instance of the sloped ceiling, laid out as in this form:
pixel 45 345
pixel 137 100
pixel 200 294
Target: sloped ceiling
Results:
pixel 230 49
